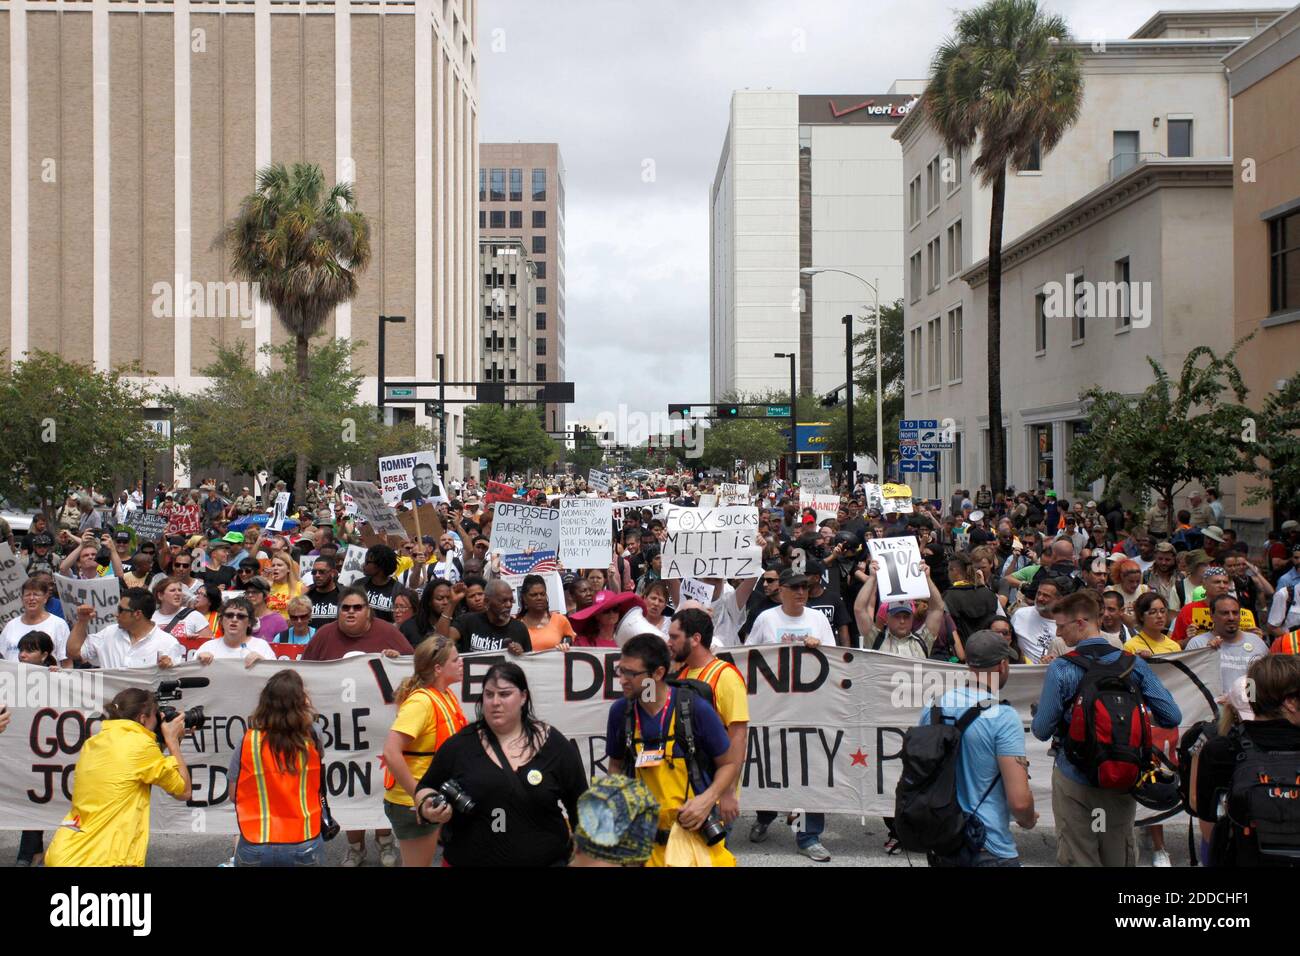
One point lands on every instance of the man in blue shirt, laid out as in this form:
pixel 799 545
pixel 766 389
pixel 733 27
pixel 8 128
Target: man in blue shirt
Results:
pixel 992 779
pixel 1094 827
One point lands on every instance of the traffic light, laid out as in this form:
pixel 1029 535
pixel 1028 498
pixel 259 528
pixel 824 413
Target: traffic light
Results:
pixel 728 411
pixel 682 410
pixel 831 399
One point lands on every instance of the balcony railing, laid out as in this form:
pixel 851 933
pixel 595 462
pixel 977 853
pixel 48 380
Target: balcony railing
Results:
pixel 1121 163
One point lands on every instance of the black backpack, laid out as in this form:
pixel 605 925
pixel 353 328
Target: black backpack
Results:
pixel 928 817
pixel 687 690
pixel 1190 744
pixel 1264 802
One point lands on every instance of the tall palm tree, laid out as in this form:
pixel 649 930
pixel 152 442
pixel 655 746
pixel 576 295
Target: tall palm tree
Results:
pixel 304 247
pixel 1009 77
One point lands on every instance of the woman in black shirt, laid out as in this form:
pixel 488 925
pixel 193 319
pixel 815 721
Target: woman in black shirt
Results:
pixel 518 771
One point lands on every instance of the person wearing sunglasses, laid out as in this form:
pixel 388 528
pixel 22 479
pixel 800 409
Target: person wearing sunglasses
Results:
pixel 134 641
pixel 235 642
pixel 300 626
pixel 766 595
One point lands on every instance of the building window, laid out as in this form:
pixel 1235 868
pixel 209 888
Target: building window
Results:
pixel 1124 151
pixel 932 184
pixel 487 311
pixel 956 458
pixel 482 218
pixel 487 344
pixel 514 344
pixel 541 371
pixel 512 310
pixel 1124 313
pixel 514 280
pixel 1040 323
pixel 539 218
pixel 498 193
pixel 539 185
pixel 516 219
pixel 1077 329
pixel 1035 163
pixel 498 219
pixel 954 249
pixel 516 185
pixel 539 245
pixel 914 201
pixel 541 321
pixel 541 295
pixel 514 375
pixel 1284 263
pixel 541 346
pixel 952 169
pixel 482 184
pixel 954 344
pixel 541 268
pixel 1180 137
pixel 914 276
pixel 934 345
pixel 932 248
pixel 916 360
pixel 1043 455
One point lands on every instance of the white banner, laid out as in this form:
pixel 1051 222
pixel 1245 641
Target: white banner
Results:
pixel 100 593
pixel 12 576
pixel 554 589
pixel 410 479
pixel 656 507
pixel 734 494
pixel 826 506
pixel 520 527
pixel 597 480
pixel 824 735
pixel 371 505
pixel 900 577
pixel 354 559
pixel 586 532
pixel 711 543
pixel 813 479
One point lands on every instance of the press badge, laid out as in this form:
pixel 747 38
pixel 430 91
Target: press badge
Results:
pixel 650 758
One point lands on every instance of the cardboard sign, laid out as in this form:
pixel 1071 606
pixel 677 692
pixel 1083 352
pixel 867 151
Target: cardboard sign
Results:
pixel 370 505
pixel 900 577
pixel 875 498
pixel 597 480
pixel 711 543
pixel 656 507
pixel 12 576
pixel 147 525
pixel 410 479
pixel 279 513
pixel 708 501
pixel 184 519
pixel 421 521
pixel 586 540
pixel 813 479
pixel 520 527
pixel 100 593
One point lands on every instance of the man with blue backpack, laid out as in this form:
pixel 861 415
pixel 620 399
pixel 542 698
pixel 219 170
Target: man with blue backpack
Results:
pixel 1098 704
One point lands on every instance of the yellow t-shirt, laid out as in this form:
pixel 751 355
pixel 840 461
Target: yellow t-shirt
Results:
pixel 730 696
pixel 1140 642
pixel 281 594
pixel 108 824
pixel 429 718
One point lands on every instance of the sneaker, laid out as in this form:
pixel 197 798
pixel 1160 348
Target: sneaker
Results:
pixel 230 862
pixel 388 855
pixel 1160 858
pixel 356 854
pixel 758 832
pixel 816 852
pixel 892 846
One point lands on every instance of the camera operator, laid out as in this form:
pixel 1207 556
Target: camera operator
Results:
pixel 108 824
pixel 499 783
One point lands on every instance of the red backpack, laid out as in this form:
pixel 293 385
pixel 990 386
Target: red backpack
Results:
pixel 1108 736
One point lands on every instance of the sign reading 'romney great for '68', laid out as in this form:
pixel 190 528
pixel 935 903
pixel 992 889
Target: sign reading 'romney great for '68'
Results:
pixel 711 543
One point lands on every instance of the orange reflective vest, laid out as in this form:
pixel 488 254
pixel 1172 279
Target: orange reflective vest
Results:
pixel 1288 643
pixel 274 805
pixel 712 673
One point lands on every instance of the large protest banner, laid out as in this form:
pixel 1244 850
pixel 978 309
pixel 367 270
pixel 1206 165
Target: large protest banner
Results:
pixel 585 538
pixel 411 477
pixel 901 576
pixel 370 503
pixel 287 651
pixel 12 576
pixel 100 593
pixel 656 506
pixel 711 543
pixel 520 527
pixel 825 726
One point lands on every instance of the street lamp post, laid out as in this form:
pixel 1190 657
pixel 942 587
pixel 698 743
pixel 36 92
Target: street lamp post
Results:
pixel 380 384
pixel 848 345
pixel 794 446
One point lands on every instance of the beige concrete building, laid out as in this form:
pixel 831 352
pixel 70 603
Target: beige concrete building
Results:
pixel 509 281
pixel 130 131
pixel 521 196
pixel 1264 81
pixel 1145 166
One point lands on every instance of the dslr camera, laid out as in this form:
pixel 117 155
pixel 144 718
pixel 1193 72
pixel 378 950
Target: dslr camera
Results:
pixel 168 692
pixel 451 792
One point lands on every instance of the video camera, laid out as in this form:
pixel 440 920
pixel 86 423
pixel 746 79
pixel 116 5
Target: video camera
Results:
pixel 168 692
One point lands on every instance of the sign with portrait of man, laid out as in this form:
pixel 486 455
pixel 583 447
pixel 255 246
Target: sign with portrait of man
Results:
pixel 411 480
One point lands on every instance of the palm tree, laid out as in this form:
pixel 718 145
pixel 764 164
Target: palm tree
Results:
pixel 1010 77
pixel 303 247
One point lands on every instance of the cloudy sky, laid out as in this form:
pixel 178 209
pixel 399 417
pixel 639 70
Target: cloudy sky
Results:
pixel 618 83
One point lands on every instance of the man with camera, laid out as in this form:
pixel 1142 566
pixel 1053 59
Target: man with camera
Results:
pixel 675 743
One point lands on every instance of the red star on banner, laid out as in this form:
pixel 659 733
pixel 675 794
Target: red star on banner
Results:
pixel 859 758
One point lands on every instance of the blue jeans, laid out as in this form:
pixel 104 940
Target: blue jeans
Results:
pixel 810 833
pixel 984 859
pixel 308 853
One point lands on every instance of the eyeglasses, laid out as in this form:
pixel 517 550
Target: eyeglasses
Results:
pixel 235 615
pixel 796 587
pixel 247 570
pixel 180 567
pixel 625 672
pixel 300 617
pixel 125 610
pixel 320 570
pixel 771 580
pixel 351 608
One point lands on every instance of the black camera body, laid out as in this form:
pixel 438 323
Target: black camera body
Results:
pixel 713 831
pixel 449 791
pixel 168 692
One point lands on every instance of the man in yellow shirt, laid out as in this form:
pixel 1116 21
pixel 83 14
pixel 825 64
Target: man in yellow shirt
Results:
pixel 690 636
pixel 108 824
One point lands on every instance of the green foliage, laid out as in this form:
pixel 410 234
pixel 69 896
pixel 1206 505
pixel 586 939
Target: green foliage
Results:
pixel 586 452
pixel 757 440
pixel 1173 434
pixel 512 438
pixel 67 424
pixel 1277 448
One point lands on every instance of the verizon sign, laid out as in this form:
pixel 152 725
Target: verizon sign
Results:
pixel 855 109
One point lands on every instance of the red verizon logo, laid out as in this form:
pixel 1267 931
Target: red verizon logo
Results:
pixel 887 109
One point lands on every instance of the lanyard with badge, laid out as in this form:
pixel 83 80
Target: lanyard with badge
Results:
pixel 647 757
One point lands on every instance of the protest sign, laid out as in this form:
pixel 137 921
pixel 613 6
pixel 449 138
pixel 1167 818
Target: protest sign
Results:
pixel 411 478
pixel 147 525
pixel 520 527
pixel 656 507
pixel 184 519
pixel 530 562
pixel 711 543
pixel 498 491
pixel 12 576
pixel 597 480
pixel 900 577
pixel 289 652
pixel 354 560
pixel 875 498
pixel 100 593
pixel 421 521
pixel 349 503
pixel 708 501
pixel 734 494
pixel 826 506
pixel 554 589
pixel 898 499
pixel 825 725
pixel 813 479
pixel 693 590
pixel 370 504
pixel 279 513
pixel 585 537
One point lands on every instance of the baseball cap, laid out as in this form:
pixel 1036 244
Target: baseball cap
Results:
pixel 122 536
pixel 1197 557
pixel 42 541
pixel 1213 532
pixel 898 607
pixel 1166 547
pixel 813 568
pixel 1290 525
pixel 234 537
pixel 987 649
pixel 1092 505
pixel 790 576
